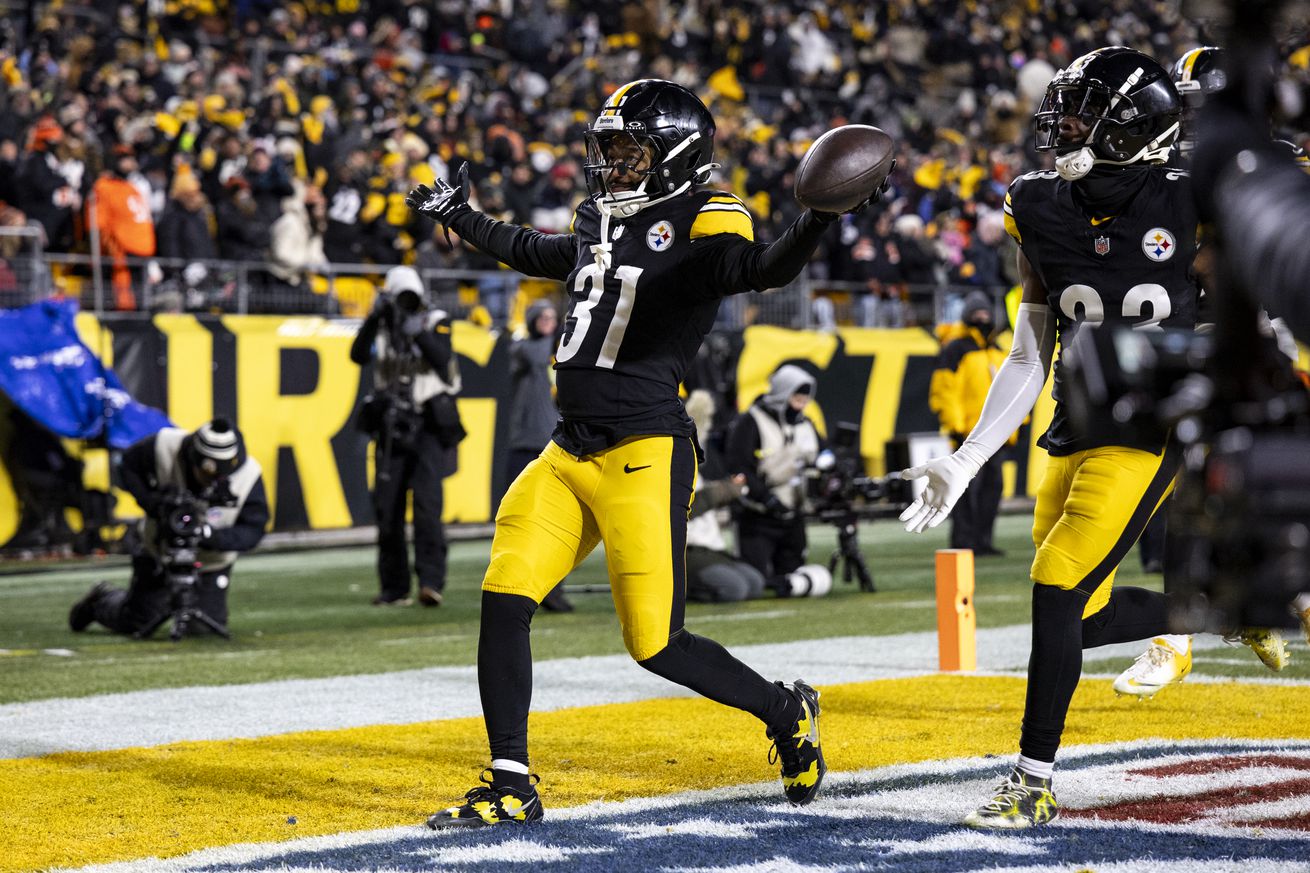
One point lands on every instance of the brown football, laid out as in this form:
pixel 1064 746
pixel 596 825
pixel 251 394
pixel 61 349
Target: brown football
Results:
pixel 843 167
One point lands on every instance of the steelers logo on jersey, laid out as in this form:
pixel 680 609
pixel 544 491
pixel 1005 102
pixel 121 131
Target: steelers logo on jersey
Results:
pixel 1158 244
pixel 660 236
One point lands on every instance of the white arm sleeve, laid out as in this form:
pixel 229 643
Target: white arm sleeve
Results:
pixel 1016 387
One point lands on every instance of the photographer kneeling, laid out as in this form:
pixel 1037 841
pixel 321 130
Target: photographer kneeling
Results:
pixel 414 423
pixel 771 444
pixel 204 504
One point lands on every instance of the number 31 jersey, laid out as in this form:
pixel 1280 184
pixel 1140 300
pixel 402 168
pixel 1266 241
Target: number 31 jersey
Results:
pixel 1133 269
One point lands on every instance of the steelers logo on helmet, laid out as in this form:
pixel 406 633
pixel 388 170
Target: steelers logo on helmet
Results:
pixel 652 140
pixel 660 236
pixel 1158 244
pixel 1126 107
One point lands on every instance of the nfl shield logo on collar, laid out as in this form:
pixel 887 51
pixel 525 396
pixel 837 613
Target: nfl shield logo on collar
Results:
pixel 660 236
pixel 1103 245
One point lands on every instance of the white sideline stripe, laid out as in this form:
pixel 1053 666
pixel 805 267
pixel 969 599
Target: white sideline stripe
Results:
pixel 115 721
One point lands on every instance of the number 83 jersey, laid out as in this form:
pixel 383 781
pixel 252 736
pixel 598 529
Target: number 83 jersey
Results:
pixel 1132 269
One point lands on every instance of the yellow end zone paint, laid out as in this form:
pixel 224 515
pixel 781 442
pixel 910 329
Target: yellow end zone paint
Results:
pixel 79 808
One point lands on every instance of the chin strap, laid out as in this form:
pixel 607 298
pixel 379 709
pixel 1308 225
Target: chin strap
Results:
pixel 1074 165
pixel 603 250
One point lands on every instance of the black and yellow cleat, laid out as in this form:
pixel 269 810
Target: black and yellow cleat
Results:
pixel 798 748
pixel 488 804
pixel 1021 801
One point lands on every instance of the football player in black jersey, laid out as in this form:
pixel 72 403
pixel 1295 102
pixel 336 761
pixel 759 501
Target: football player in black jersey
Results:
pixel 648 258
pixel 1108 237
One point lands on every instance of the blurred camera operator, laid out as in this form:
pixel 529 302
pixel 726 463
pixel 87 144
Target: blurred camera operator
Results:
pixel 771 444
pixel 414 423
pixel 173 471
pixel 714 575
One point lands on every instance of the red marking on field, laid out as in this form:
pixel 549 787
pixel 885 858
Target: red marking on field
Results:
pixel 1224 764
pixel 1292 823
pixel 1193 807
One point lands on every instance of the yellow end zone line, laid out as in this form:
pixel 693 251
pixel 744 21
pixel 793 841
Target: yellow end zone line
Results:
pixel 78 808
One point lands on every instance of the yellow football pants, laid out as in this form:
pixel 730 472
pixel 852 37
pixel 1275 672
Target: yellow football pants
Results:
pixel 1091 508
pixel 633 497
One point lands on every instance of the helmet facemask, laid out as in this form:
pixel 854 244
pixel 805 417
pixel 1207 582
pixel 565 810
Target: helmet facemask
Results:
pixel 672 169
pixel 632 154
pixel 1121 129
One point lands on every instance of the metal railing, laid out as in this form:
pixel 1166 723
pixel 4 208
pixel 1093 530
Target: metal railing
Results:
pixel 24 276
pixel 498 297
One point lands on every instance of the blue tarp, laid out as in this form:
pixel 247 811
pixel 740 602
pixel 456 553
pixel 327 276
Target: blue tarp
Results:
pixel 50 374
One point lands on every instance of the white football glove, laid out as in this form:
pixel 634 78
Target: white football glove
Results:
pixel 947 479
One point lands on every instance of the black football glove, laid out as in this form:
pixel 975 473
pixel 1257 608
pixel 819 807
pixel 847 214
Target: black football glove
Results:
pixel 445 203
pixel 864 204
pixel 877 192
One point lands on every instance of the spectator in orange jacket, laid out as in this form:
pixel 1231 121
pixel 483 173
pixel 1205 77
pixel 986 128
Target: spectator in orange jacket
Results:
pixel 127 229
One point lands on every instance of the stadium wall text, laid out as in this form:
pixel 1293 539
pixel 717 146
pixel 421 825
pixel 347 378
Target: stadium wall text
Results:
pixel 290 386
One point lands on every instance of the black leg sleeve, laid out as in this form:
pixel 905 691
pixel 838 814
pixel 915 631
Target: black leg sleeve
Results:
pixel 505 672
pixel 1054 667
pixel 707 668
pixel 1132 614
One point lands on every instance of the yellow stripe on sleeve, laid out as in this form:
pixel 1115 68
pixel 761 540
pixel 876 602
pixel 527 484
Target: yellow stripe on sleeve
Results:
pixel 714 221
pixel 1010 227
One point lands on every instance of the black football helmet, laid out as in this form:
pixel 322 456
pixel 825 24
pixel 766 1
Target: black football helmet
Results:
pixel 1295 152
pixel 1197 74
pixel 663 117
pixel 1124 97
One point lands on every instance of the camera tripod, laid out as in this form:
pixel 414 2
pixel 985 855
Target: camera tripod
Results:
pixel 848 553
pixel 183 611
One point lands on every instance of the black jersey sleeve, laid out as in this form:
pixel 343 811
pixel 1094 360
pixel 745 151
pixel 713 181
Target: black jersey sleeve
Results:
pixel 728 263
pixel 531 252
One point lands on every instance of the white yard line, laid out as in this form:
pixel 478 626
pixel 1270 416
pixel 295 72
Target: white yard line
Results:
pixel 115 721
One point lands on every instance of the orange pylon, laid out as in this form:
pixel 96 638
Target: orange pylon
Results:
pixel 957 623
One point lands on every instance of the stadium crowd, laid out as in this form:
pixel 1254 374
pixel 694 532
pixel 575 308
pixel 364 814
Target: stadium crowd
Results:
pixel 295 142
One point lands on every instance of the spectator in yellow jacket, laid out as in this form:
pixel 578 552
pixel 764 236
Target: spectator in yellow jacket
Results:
pixel 964 373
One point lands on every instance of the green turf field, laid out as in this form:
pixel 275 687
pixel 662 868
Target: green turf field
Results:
pixel 307 614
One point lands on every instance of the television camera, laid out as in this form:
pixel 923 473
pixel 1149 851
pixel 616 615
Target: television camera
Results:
pixel 180 529
pixel 391 416
pixel 1238 543
pixel 1228 403
pixel 840 493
